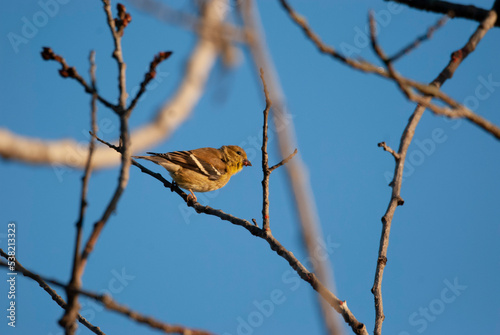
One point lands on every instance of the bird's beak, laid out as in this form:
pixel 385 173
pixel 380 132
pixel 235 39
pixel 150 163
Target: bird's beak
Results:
pixel 246 162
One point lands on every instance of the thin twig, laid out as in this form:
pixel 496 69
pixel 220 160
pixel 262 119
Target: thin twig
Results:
pixel 69 317
pixel 117 33
pixel 265 158
pixel 67 71
pixel 406 138
pixel 389 150
pixel 422 38
pixel 53 294
pixel 110 304
pixel 283 161
pixel 160 57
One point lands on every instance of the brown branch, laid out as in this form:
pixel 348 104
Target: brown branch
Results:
pixel 116 27
pixel 470 12
pixel 69 317
pixel 283 161
pixel 253 228
pixel 406 139
pixel 107 301
pixel 364 66
pixel 422 38
pixel 265 167
pixel 160 57
pixel 67 71
pixel 53 294
pixel 389 149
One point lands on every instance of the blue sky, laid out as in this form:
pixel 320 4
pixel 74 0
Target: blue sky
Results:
pixel 162 259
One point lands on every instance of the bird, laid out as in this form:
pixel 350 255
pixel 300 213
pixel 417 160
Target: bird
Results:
pixel 203 169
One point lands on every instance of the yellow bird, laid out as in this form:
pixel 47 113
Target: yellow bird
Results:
pixel 201 170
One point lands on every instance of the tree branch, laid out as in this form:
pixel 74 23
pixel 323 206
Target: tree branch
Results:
pixel 107 302
pixel 69 317
pixel 265 167
pixel 406 138
pixel 422 38
pixel 53 294
pixel 470 12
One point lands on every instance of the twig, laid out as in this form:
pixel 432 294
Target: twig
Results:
pixel 389 149
pixel 283 161
pixel 110 304
pixel 406 139
pixel 422 38
pixel 69 317
pixel 160 57
pixel 470 12
pixel 265 167
pixel 116 27
pixel 70 72
pixel 57 298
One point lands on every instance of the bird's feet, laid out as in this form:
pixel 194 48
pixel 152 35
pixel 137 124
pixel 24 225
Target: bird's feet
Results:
pixel 191 198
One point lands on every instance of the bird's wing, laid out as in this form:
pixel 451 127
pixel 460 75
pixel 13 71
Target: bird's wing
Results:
pixel 206 161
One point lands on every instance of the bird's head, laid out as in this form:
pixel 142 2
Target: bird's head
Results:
pixel 235 158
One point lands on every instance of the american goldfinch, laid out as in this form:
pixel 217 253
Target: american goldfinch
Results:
pixel 204 169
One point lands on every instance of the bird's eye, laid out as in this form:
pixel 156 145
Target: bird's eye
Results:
pixel 238 152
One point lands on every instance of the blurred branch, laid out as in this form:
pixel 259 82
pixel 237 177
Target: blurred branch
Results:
pixel 406 138
pixel 470 12
pixel 297 177
pixel 215 31
pixel 106 300
pixel 53 294
pixel 168 117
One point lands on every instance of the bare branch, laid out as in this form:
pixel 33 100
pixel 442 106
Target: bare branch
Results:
pixel 160 57
pixel 283 161
pixel 107 302
pixel 69 317
pixel 406 139
pixel 265 167
pixel 70 72
pixel 53 294
pixel 389 149
pixel 470 12
pixel 422 38
pixel 116 27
